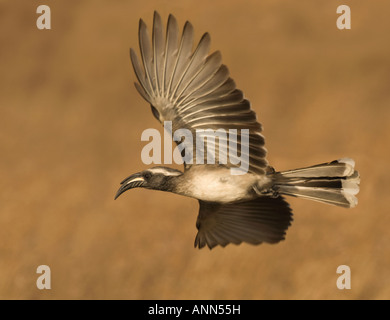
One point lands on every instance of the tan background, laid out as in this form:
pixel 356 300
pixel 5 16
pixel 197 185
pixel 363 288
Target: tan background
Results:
pixel 71 122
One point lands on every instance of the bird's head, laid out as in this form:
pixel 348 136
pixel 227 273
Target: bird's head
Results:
pixel 157 178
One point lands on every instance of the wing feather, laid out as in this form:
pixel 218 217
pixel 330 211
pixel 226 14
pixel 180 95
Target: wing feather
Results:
pixel 183 58
pixel 144 88
pixel 193 88
pixel 146 53
pixel 171 51
pixel 264 219
pixel 158 52
pixel 194 64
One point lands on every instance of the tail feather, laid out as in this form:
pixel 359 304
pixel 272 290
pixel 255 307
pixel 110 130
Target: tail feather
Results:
pixel 338 168
pixel 336 183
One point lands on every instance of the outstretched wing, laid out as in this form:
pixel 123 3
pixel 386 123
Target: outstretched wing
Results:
pixel 264 219
pixel 194 91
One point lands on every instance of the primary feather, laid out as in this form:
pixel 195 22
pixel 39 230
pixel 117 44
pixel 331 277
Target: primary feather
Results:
pixel 192 88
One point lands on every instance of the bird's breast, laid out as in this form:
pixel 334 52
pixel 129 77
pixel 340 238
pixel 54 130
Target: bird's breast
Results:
pixel 218 185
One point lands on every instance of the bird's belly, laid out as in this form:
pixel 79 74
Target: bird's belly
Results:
pixel 222 187
pixel 217 192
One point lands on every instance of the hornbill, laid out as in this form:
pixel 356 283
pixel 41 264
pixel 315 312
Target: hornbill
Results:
pixel 193 90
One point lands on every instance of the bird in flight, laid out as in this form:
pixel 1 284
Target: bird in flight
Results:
pixel 193 90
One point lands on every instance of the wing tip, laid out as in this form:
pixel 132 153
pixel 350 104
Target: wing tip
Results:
pixel 188 27
pixel 141 24
pixel 171 19
pixel 156 19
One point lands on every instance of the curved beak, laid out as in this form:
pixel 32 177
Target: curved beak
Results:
pixel 134 181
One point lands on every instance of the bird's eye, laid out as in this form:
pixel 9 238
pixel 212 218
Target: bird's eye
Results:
pixel 147 175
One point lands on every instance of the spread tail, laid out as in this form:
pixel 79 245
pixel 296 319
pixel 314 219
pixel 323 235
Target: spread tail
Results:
pixel 336 183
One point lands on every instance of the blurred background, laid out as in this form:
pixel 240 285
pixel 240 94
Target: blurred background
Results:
pixel 70 128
